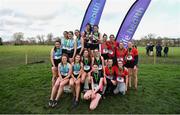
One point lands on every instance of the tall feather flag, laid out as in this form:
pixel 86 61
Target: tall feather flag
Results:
pixel 131 21
pixel 93 13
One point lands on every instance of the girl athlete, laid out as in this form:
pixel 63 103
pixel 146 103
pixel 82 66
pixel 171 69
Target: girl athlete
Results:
pixel 76 79
pixel 55 57
pixel 86 60
pixel 71 46
pixel 131 63
pixel 103 48
pixel 64 72
pixel 121 52
pixel 121 78
pixel 79 41
pixel 95 91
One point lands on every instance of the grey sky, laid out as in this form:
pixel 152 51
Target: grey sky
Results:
pixel 34 17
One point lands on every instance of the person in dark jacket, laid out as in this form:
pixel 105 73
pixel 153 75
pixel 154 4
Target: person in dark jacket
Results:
pixel 147 49
pixel 166 49
pixel 151 46
pixel 158 50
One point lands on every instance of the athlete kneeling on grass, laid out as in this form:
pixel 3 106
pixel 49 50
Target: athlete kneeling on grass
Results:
pixel 121 78
pixel 76 79
pixel 96 88
pixel 64 72
pixel 109 78
pixel 55 57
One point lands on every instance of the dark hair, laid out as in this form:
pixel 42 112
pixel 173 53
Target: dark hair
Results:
pixel 65 56
pixel 120 43
pixel 96 26
pixel 89 54
pixel 104 35
pixel 134 46
pixel 59 41
pixel 95 64
pixel 71 32
pixel 77 30
pixel 77 55
pixel 96 49
pixel 110 59
pixel 88 24
pixel 65 32
pixel 111 35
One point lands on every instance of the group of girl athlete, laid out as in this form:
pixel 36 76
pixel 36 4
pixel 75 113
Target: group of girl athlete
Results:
pixel 105 65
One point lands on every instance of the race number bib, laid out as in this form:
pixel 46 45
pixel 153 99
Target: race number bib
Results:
pixel 110 52
pixel 129 58
pixel 105 51
pixel 79 47
pixel 57 57
pixel 76 72
pixel 120 79
pixel 64 74
pixel 86 67
pixel 68 48
pixel 96 86
pixel 109 77
pixel 120 59
pixel 100 67
pixel 69 51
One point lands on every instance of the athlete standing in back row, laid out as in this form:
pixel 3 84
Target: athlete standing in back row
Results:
pixel 131 63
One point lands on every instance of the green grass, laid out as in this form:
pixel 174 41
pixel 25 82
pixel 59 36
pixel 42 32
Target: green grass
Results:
pixel 26 88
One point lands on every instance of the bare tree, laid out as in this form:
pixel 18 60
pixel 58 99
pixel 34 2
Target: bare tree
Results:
pixel 49 38
pixel 151 36
pixel 31 40
pixel 18 38
pixel 40 39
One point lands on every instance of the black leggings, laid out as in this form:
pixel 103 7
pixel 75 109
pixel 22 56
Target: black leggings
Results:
pixel 110 87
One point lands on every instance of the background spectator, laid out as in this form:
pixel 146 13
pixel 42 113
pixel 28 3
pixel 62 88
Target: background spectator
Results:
pixel 166 49
pixel 151 46
pixel 158 50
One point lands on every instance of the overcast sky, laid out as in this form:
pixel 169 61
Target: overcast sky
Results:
pixel 33 17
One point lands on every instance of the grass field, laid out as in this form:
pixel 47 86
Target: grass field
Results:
pixel 26 88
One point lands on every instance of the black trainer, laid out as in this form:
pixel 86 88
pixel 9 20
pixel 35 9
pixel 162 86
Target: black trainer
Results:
pixel 103 97
pixel 55 102
pixel 74 98
pixel 75 104
pixel 50 103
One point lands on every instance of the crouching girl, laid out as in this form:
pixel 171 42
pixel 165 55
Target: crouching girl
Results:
pixel 94 94
pixel 122 79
